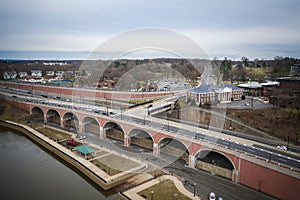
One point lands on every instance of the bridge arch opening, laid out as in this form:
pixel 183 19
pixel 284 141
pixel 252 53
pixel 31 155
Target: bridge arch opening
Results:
pixel 71 121
pixel 174 148
pixel 141 138
pixel 114 131
pixel 208 158
pixel 91 125
pixel 37 114
pixel 53 117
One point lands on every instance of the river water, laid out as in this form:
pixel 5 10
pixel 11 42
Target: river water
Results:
pixel 28 171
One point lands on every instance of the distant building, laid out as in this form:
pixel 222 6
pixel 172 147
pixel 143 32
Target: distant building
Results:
pixel 290 83
pixel 258 89
pixel 295 70
pixel 59 73
pixel 23 74
pixel 287 94
pixel 69 74
pixel 10 75
pixel 37 73
pixel 211 93
pixel 106 84
pixel 268 87
pixel 50 73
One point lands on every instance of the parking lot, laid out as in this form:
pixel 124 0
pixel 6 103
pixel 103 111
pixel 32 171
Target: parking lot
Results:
pixel 249 103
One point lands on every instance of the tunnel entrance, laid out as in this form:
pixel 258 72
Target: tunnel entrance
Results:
pixel 174 148
pixel 71 122
pixel 141 138
pixel 37 115
pixel 91 125
pixel 114 131
pixel 53 117
pixel 215 163
pixel 215 158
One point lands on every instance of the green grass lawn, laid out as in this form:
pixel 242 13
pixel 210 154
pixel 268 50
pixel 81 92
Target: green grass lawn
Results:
pixel 54 134
pixel 113 164
pixel 165 190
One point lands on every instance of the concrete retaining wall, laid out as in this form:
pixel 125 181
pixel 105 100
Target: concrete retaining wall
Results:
pixel 142 142
pixel 82 168
pixel 214 169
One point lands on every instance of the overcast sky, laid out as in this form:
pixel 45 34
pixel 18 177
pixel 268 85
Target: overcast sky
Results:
pixel 231 28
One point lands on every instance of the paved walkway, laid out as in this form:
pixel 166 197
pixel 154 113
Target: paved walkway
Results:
pixel 133 193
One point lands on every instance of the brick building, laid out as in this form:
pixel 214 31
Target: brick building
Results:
pixel 211 93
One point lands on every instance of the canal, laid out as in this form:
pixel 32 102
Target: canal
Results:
pixel 28 171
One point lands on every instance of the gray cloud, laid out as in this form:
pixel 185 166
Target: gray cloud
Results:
pixel 82 25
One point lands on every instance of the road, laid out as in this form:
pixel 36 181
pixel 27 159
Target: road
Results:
pixel 283 158
pixel 205 182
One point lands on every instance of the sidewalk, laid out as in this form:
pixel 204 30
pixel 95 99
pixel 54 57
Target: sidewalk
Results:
pixel 133 193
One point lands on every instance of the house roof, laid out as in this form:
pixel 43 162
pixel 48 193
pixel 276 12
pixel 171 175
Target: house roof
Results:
pixel 202 89
pixel 252 85
pixel 232 87
pixel 213 88
pixel 85 149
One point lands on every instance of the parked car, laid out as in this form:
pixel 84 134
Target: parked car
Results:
pixel 71 142
pixel 81 137
pixel 212 196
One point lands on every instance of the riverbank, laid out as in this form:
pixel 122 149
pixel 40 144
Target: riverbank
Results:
pixel 90 170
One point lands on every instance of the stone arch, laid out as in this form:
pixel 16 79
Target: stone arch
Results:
pixel 71 121
pixel 114 130
pixel 215 158
pixel 141 138
pixel 174 147
pixel 90 125
pixel 53 117
pixel 37 114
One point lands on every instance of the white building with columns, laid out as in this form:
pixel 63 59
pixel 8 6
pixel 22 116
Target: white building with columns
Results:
pixel 212 93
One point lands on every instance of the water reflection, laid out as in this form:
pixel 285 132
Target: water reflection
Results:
pixel 29 172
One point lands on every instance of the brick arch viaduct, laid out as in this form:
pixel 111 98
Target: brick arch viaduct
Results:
pixel 251 171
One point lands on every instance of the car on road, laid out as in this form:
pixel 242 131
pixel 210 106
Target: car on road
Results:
pixel 282 147
pixel 212 196
pixel 81 137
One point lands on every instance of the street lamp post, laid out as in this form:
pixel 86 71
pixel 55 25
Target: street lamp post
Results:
pixel 194 189
pixel 152 194
pixel 106 106
pixel 142 155
pixel 259 186
pixel 108 169
pixel 121 113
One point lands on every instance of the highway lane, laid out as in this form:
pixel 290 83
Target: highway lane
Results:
pixel 286 159
pixel 230 133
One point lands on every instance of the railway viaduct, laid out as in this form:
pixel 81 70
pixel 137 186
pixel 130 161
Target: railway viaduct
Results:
pixel 263 175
